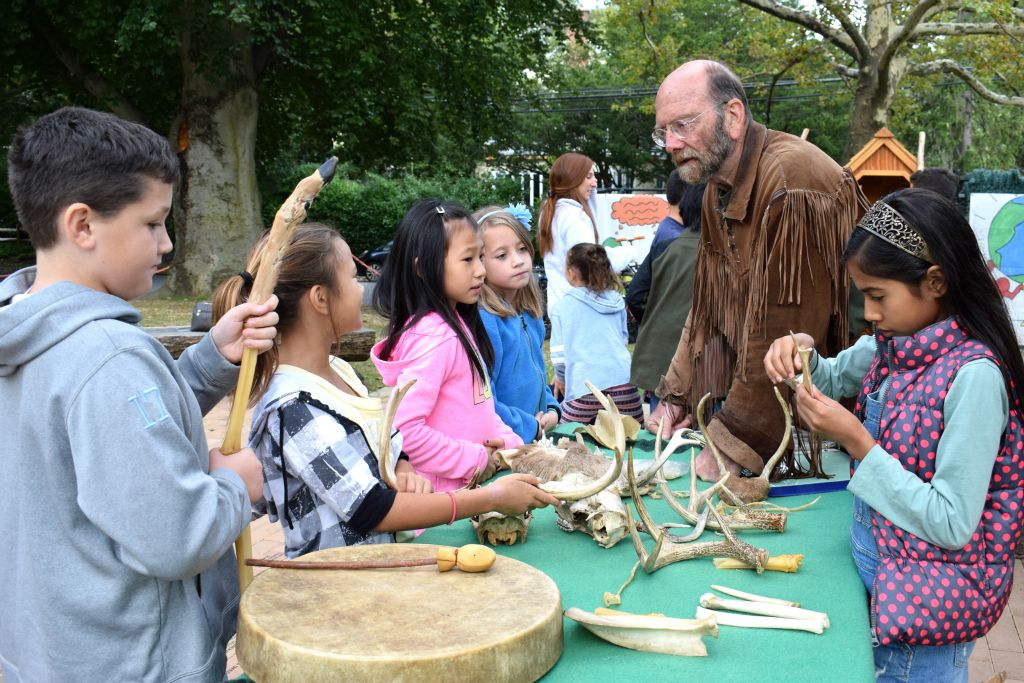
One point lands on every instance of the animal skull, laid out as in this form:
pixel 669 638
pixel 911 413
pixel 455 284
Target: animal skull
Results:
pixel 494 528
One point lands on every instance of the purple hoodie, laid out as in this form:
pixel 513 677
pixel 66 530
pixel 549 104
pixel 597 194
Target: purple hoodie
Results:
pixel 446 416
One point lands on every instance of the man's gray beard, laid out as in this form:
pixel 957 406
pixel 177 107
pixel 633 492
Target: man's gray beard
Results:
pixel 708 164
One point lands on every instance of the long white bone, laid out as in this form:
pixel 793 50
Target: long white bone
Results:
pixel 712 601
pixel 751 621
pixel 753 597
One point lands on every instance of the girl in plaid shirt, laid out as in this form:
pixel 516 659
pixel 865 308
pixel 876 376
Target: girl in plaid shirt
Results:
pixel 314 422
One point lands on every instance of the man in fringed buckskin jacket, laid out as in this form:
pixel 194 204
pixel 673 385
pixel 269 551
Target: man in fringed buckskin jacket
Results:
pixel 776 215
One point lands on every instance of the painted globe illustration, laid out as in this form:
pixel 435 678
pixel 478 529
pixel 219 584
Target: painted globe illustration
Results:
pixel 1006 239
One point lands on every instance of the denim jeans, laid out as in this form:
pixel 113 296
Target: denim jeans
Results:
pixel 654 400
pixel 902 663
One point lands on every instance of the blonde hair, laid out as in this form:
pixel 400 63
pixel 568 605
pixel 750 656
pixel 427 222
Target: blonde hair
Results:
pixel 523 300
pixel 307 261
pixel 564 180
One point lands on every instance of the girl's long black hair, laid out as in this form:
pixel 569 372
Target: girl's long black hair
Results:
pixel 972 295
pixel 411 284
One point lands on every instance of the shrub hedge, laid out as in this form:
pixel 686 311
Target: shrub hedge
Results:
pixel 367 211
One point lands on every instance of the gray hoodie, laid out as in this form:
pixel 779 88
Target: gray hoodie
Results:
pixel 116 562
pixel 588 341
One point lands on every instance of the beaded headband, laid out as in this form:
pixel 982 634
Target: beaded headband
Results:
pixel 885 223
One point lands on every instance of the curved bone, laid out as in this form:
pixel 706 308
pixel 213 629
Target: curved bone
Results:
pixel 648 632
pixel 384 462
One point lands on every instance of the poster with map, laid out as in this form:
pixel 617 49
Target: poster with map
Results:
pixel 998 223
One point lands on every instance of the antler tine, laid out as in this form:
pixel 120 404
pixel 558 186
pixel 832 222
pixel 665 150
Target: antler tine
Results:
pixel 772 461
pixel 707 437
pixel 384 462
pixel 641 510
pixel 634 533
pixel 674 444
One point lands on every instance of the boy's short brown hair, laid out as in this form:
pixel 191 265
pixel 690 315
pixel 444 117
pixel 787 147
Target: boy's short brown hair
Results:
pixel 79 155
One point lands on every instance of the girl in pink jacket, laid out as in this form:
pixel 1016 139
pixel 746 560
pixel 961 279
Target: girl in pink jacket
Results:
pixel 428 290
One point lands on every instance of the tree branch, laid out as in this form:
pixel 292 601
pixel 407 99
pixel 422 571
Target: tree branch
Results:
pixel 948 66
pixel 905 32
pixel 808 21
pixel 974 28
pixel 93 82
pixel 643 26
pixel 851 29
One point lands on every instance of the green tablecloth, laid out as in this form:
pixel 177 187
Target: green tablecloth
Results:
pixel 826 582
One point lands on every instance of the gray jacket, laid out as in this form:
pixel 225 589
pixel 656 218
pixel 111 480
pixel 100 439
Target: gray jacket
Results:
pixel 117 561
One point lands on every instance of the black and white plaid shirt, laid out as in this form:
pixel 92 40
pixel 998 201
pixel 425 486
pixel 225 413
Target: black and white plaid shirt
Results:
pixel 330 493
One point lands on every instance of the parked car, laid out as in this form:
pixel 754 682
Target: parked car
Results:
pixel 370 262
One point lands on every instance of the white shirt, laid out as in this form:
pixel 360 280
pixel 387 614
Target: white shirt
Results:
pixel 571 226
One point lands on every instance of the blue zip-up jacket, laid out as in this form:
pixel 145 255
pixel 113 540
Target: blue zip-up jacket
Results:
pixel 588 341
pixel 519 378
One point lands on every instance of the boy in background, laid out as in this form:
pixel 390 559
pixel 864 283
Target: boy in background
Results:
pixel 117 522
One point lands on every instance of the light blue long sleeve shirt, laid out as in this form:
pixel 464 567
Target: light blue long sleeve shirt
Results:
pixel 945 511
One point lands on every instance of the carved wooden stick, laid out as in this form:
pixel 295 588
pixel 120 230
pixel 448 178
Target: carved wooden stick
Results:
pixel 288 217
pixel 470 558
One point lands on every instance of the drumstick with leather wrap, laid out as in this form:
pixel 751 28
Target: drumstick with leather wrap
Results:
pixel 470 558
pixel 288 217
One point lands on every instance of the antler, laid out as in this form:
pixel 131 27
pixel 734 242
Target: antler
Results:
pixel 667 551
pixel 384 462
pixel 593 487
pixel 743 490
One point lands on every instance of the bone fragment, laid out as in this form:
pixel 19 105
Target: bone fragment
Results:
pixel 648 633
pixel 610 599
pixel 805 361
pixel 712 601
pixel 753 597
pixel 779 563
pixel 750 621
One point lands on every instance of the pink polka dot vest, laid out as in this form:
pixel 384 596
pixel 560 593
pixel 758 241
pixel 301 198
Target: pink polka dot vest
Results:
pixel 923 594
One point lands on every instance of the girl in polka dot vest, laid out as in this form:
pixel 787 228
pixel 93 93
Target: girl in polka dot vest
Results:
pixel 936 439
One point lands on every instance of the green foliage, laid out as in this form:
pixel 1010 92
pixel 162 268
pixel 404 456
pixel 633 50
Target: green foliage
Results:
pixel 366 211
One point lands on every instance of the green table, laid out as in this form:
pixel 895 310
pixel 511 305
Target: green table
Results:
pixel 827 582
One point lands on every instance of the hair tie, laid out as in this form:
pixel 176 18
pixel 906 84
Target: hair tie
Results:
pixel 439 209
pixel 247 279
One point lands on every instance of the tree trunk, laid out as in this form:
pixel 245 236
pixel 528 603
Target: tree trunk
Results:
pixel 217 212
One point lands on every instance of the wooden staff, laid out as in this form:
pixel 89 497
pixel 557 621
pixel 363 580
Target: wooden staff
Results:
pixel 290 215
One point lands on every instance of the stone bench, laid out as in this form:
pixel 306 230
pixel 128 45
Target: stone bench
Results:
pixel 354 346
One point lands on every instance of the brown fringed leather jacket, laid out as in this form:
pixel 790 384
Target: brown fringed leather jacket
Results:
pixel 768 263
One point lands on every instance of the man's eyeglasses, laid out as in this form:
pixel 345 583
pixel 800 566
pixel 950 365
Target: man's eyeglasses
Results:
pixel 680 129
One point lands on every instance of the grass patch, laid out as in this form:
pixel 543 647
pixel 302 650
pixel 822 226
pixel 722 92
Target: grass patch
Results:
pixel 166 311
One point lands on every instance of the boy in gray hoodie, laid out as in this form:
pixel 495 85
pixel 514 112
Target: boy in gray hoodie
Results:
pixel 117 522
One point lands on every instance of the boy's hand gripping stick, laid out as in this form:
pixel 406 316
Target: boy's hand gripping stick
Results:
pixel 288 217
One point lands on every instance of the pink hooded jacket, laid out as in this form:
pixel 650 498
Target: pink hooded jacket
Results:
pixel 447 415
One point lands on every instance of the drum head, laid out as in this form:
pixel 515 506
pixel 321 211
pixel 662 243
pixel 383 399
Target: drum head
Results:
pixel 408 624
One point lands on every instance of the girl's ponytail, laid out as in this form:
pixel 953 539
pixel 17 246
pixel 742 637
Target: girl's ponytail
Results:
pixel 594 267
pixel 308 260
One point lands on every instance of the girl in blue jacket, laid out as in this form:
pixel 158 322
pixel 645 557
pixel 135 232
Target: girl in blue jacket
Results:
pixel 511 310
pixel 588 338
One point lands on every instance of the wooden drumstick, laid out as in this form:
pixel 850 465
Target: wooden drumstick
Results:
pixel 471 558
pixel 288 217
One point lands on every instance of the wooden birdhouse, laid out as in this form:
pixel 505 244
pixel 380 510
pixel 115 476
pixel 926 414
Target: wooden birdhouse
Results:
pixel 882 166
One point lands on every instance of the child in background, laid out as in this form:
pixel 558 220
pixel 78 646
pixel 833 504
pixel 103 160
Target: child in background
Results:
pixel 588 338
pixel 428 291
pixel 511 310
pixel 937 437
pixel 316 429
pixel 118 520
